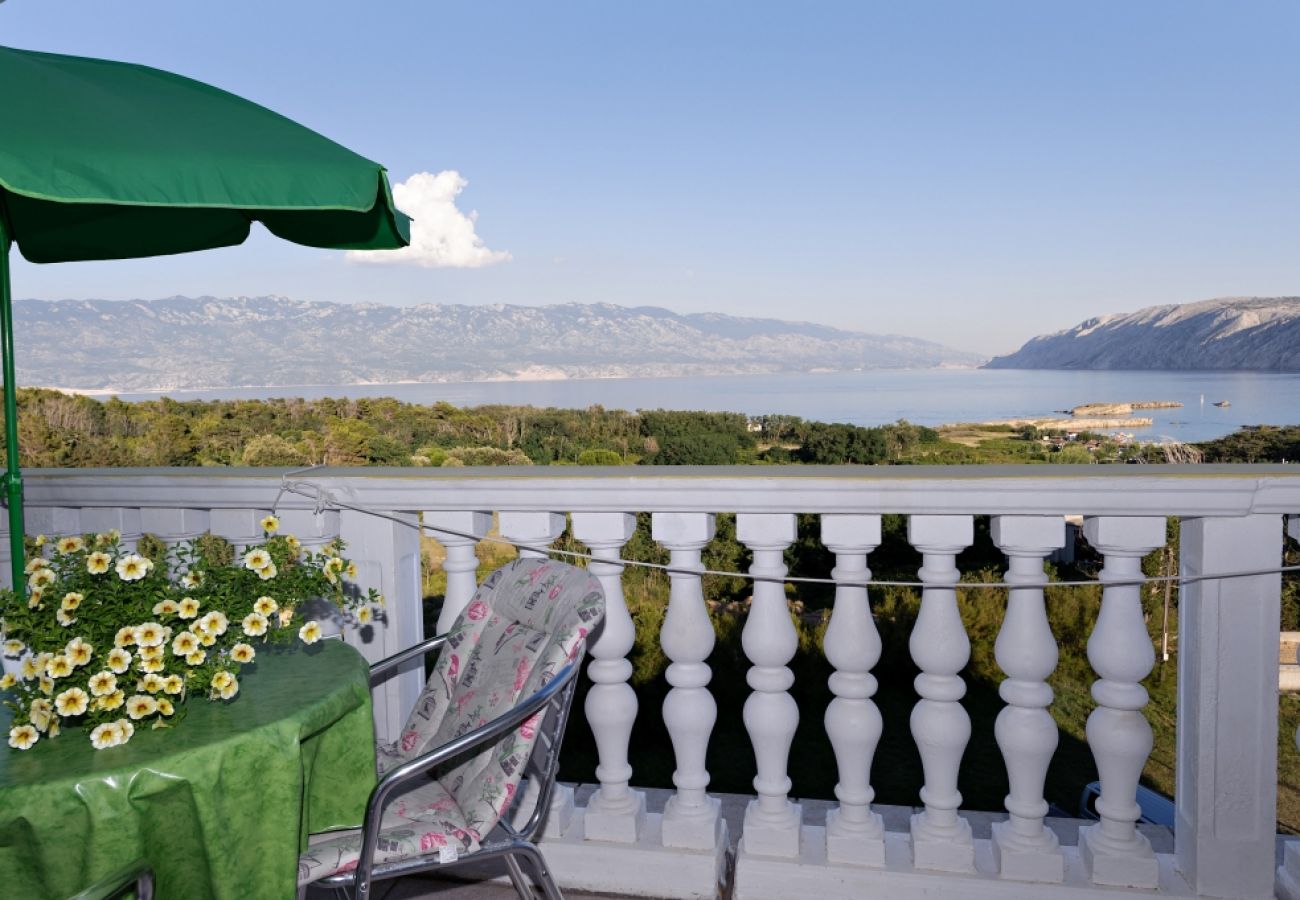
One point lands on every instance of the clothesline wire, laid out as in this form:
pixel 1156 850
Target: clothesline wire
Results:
pixel 326 499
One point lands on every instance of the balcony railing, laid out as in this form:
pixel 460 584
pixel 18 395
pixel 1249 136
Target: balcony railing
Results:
pixel 1232 520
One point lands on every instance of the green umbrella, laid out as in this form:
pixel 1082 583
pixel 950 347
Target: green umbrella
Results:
pixel 108 160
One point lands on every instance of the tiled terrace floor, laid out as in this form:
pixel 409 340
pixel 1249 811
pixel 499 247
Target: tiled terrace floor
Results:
pixel 897 818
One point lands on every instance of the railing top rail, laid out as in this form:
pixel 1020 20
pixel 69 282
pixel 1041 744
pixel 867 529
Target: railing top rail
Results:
pixel 1206 490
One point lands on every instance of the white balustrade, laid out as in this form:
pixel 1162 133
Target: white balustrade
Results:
pixel 1025 849
pixel 1227 681
pixel 771 715
pixel 691 817
pixel 1288 874
pixel 615 812
pixel 854 833
pixel 461 561
pixel 941 839
pixel 1121 653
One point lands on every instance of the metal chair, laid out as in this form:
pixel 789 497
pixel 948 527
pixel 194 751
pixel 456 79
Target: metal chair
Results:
pixel 494 710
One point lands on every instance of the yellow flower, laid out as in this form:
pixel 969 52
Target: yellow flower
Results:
pixel 63 618
pixel 133 567
pixel 42 578
pixel 267 572
pixel 34 601
pixel 165 706
pixel 79 651
pixel 68 545
pixel 71 600
pixel 40 540
pixel 189 608
pixel 8 680
pixel 221 679
pixel 225 685
pixel 72 702
pixel 13 648
pixel 310 633
pixel 119 660
pixel 242 653
pixel 270 524
pixel 254 624
pixel 150 634
pixel 31 668
pixel 46 685
pixel 257 559
pixel 365 615
pixel 59 667
pixel 152 683
pixel 22 737
pixel 125 636
pixel 265 605
pixel 184 644
pixel 286 616
pixel 105 736
pixel 197 657
pixel 206 638
pixel 151 653
pixel 294 544
pixel 216 622
pixel 102 683
pixel 152 665
pixel 40 712
pixel 173 684
pixel 351 570
pixel 35 564
pixel 104 538
pixel 335 564
pixel 54 728
pixel 141 705
pixel 98 562
pixel 111 701
pixel 165 607
pixel 191 579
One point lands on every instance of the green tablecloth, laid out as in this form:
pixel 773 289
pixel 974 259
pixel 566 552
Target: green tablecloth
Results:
pixel 219 805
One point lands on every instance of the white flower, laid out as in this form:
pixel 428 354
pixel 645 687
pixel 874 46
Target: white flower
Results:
pixel 72 702
pixel 267 572
pixel 103 683
pixel 216 622
pixel 35 564
pixel 197 657
pixel 59 667
pixel 365 615
pixel 152 682
pixel 71 600
pixel 41 578
pixel 184 644
pixel 13 649
pixel 140 705
pixel 310 633
pixel 125 636
pixel 150 634
pixel 104 736
pixel 8 680
pixel 191 579
pixel 40 712
pixel 148 654
pixel 173 684
pixel 254 624
pixel 64 619
pixel 270 524
pixel 189 608
pixel 225 685
pixel 165 607
pixel 111 701
pixel 98 562
pixel 133 567
pixel 31 668
pixel 119 660
pixel 125 728
pixel 40 540
pixel 165 706
pixel 265 605
pixel 257 559
pixel 79 652
pixel 22 737
pixel 68 545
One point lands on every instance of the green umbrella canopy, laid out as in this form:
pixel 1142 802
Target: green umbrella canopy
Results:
pixel 109 160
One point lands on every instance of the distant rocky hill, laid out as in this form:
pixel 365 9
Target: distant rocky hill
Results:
pixel 207 342
pixel 1256 333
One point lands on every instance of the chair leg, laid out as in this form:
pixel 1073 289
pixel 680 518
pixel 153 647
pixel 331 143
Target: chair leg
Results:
pixel 542 871
pixel 518 878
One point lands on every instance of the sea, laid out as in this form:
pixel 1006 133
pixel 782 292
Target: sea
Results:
pixel 873 397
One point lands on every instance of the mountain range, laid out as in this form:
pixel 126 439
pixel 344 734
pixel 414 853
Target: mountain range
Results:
pixel 183 343
pixel 1252 333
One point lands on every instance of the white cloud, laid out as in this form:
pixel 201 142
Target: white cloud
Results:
pixel 442 237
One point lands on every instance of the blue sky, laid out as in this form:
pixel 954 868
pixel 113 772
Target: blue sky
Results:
pixel 971 173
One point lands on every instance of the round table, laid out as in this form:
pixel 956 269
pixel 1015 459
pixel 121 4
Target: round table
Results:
pixel 220 805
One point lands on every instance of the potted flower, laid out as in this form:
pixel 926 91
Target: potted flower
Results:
pixel 111 640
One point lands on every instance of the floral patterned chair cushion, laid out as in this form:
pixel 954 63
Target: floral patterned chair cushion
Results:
pixel 522 626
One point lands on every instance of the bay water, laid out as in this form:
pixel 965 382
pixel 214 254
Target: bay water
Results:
pixel 873 397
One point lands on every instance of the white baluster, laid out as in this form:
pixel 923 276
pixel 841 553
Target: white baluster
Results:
pixel 771 715
pixel 941 839
pixel 854 833
pixel 1288 874
pixel 615 812
pixel 691 817
pixel 461 562
pixel 126 521
pixel 1120 652
pixel 313 530
pixel 1023 847
pixel 174 526
pixel 534 532
pixel 242 527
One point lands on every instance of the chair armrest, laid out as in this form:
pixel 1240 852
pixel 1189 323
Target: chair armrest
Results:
pixel 397 659
pixel 137 873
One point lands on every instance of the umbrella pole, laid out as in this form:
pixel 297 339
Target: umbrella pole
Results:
pixel 13 479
